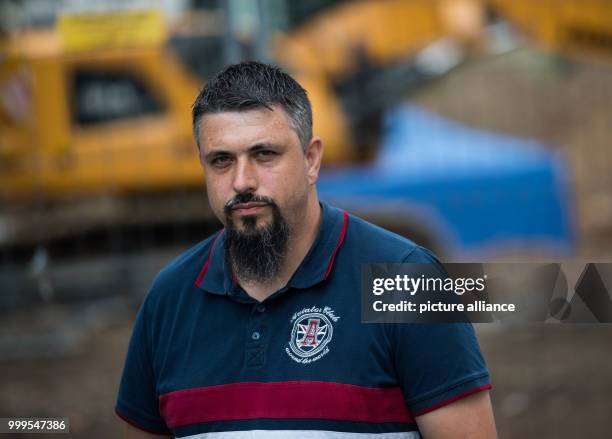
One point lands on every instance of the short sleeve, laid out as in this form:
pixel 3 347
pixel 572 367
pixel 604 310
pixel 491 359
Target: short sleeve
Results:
pixel 137 401
pixel 436 363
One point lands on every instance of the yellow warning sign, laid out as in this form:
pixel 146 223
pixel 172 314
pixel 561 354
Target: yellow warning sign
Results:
pixel 112 30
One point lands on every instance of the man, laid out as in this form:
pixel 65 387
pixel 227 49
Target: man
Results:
pixel 255 332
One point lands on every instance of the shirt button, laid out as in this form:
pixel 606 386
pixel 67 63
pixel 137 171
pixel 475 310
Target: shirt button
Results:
pixel 255 335
pixel 261 308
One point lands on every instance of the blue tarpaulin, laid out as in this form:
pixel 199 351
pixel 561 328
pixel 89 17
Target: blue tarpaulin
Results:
pixel 477 192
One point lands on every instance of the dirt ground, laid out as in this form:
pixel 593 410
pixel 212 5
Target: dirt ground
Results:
pixel 551 380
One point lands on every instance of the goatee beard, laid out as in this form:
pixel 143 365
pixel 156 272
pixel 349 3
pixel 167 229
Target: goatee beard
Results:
pixel 256 253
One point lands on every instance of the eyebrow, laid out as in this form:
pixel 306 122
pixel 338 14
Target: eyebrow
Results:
pixel 251 149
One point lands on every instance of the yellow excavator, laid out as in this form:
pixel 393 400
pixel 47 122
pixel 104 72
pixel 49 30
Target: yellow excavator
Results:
pixel 344 47
pixel 95 112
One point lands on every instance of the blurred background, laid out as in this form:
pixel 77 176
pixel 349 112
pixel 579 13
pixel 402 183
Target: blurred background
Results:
pixel 478 128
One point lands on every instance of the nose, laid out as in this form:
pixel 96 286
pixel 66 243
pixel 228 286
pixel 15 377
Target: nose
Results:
pixel 245 178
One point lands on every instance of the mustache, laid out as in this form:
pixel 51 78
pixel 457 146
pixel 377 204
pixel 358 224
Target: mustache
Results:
pixel 246 198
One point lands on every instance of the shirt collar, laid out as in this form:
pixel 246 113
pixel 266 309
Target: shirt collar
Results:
pixel 316 267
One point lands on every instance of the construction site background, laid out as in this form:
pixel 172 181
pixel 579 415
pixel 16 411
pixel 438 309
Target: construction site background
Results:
pixel 68 299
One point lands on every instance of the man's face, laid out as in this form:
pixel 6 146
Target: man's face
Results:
pixel 253 161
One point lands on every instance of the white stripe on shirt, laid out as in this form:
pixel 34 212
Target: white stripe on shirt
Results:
pixel 301 434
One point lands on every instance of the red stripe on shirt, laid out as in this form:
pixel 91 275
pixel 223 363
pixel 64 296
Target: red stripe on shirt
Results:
pixel 204 269
pixel 284 400
pixel 453 399
pixel 338 244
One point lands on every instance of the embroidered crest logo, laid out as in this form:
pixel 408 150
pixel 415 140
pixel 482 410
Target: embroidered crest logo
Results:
pixel 311 333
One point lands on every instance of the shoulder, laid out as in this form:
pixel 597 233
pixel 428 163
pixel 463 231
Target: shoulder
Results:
pixel 381 245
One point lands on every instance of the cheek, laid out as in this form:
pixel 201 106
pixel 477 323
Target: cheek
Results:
pixel 216 195
pixel 287 184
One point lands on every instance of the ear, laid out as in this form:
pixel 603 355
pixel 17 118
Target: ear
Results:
pixel 313 156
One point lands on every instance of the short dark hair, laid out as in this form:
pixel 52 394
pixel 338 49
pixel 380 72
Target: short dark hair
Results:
pixel 252 84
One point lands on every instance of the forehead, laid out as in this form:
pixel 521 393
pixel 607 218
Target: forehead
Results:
pixel 235 129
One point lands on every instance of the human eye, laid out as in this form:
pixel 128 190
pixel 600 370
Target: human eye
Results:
pixel 265 155
pixel 221 161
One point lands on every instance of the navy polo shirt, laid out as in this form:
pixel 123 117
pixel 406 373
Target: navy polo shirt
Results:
pixel 207 360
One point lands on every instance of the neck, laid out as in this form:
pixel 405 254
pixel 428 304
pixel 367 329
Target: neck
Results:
pixel 301 240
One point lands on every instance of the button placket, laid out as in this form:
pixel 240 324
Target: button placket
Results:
pixel 256 337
